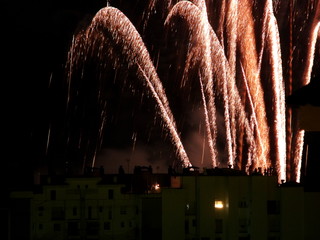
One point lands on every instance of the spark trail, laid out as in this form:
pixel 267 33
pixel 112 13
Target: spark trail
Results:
pixel 200 52
pixel 234 48
pixel 110 24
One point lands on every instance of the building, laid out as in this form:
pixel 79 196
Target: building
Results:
pixel 305 104
pixel 239 208
pixel 212 205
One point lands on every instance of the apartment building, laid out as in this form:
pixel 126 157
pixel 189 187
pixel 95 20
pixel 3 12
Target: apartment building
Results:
pixel 192 205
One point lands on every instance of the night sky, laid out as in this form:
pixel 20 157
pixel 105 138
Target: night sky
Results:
pixel 36 36
pixel 35 39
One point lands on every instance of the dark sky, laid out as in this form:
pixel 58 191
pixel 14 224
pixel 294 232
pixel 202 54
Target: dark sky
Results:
pixel 36 36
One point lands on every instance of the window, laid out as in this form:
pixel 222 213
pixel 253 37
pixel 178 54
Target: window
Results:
pixel 244 238
pixel 186 227
pixel 57 227
pixel 243 223
pixel 92 228
pixel 243 204
pixel 122 224
pixel 273 207
pixel 110 213
pixel 190 208
pixel 218 204
pixel 40 226
pixel 219 226
pixel 110 194
pixel 274 224
pixel 100 209
pixel 89 212
pixel 74 211
pixel 73 229
pixel 123 210
pixel 53 195
pixel 273 237
pixel 107 225
pixel 194 222
pixel 57 213
pixel 41 209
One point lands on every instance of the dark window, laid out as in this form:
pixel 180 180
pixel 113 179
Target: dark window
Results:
pixel 273 207
pixel 274 224
pixel 107 226
pixel 40 226
pixel 243 225
pixel 56 227
pixel 244 238
pixel 73 229
pixel 110 214
pixel 243 204
pixel 122 224
pixel 92 228
pixel 190 209
pixel 194 222
pixel 53 195
pixel 74 211
pixel 41 209
pixel 57 213
pixel 273 238
pixel 100 209
pixel 186 227
pixel 110 194
pixel 123 210
pixel 219 226
pixel 89 212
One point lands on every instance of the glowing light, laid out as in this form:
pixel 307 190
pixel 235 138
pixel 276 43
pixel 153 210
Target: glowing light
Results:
pixel 218 204
pixel 155 188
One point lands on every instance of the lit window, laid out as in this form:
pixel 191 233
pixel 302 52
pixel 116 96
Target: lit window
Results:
pixel 157 187
pixel 218 204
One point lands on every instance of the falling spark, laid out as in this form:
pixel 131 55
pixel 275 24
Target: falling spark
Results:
pixel 277 90
pixel 210 140
pixel 166 118
pixel 228 57
pixel 48 139
pixel 201 31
